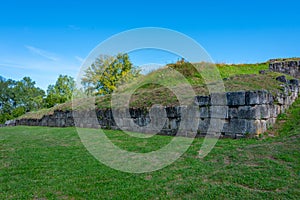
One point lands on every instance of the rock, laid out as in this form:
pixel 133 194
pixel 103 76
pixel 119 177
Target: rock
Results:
pixel 282 79
pixel 203 125
pixel 249 112
pixel 10 123
pixel 219 112
pixel 233 112
pixel 202 100
pixel 204 112
pixel 294 82
pixel 264 111
pixel 173 112
pixel 235 98
pixel 262 71
pixel 218 99
pixel 258 97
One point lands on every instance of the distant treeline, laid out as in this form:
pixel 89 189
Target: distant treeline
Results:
pixel 101 78
pixel 19 97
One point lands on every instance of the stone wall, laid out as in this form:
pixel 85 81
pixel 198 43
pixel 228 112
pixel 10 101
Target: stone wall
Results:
pixel 290 67
pixel 234 114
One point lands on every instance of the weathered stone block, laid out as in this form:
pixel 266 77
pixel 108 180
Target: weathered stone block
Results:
pixel 257 97
pixel 203 125
pixel 294 82
pixel 282 79
pixel 219 112
pixel 70 122
pixel 173 112
pixel 248 112
pixel 218 99
pixel 235 98
pixel 264 111
pixel 202 100
pixel 232 112
pixel 173 124
pixel 204 112
pixel 238 126
pixel 217 125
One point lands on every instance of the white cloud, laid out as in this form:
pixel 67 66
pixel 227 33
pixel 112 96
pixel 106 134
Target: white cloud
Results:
pixel 78 58
pixel 12 65
pixel 42 53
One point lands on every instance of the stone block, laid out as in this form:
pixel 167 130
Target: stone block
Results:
pixel 264 111
pixel 217 125
pixel 218 99
pixel 173 112
pixel 258 97
pixel 202 100
pixel 248 112
pixel 219 112
pixel 235 98
pixel 294 82
pixel 282 79
pixel 203 125
pixel 239 126
pixel 204 112
pixel 174 124
pixel 232 112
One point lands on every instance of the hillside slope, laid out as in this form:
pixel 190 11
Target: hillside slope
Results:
pixel 235 78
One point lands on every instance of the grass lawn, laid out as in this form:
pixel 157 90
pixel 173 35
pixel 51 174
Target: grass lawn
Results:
pixel 52 163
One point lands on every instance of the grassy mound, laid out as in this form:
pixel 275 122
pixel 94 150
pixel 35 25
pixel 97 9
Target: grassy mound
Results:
pixel 154 88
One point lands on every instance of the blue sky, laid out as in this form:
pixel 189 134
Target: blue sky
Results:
pixel 43 39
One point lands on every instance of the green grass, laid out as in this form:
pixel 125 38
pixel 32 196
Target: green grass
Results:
pixel 240 69
pixel 52 163
pixel 235 78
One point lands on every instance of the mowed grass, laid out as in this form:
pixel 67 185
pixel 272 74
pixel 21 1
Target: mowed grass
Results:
pixel 52 163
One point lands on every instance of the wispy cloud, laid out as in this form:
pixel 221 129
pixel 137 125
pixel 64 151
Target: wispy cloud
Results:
pixel 12 65
pixel 78 58
pixel 43 53
pixel 73 27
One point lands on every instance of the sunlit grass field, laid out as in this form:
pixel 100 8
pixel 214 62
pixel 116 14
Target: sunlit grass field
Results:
pixel 52 163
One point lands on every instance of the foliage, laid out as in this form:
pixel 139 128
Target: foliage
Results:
pixel 107 72
pixel 18 97
pixel 60 92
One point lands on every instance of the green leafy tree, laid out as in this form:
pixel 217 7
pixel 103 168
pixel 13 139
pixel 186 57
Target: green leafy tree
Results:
pixel 18 97
pixel 107 72
pixel 27 95
pixel 6 103
pixel 60 92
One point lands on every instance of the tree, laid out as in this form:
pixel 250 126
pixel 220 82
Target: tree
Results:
pixel 6 103
pixel 27 95
pixel 18 97
pixel 60 92
pixel 107 72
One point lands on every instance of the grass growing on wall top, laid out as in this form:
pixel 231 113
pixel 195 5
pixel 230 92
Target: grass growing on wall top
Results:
pixel 235 78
